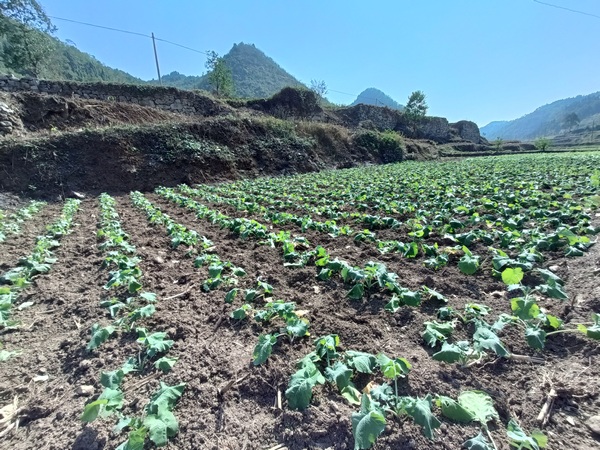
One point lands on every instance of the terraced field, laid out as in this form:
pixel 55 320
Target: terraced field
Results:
pixel 413 305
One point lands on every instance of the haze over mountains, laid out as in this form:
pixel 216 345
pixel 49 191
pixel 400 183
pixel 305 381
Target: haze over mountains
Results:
pixel 549 120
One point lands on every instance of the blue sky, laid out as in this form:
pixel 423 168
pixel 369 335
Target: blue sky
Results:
pixel 480 60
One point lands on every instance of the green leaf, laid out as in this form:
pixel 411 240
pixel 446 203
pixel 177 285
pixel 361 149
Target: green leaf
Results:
pixel 432 293
pixel 549 276
pixel 123 423
pixel 553 290
pixel 326 346
pixel 263 349
pixel 109 401
pixel 479 442
pixel 592 332
pixel 165 364
pixel 367 424
pixel 525 308
pixel 165 398
pixel 420 410
pixel 484 338
pixel 518 437
pixel 553 322
pixel 512 276
pixel 112 379
pixel 161 426
pixel 454 410
pixel 299 391
pixel 360 361
pixel 535 336
pixel 339 374
pixel 141 313
pixel 479 404
pixel 134 286
pixel 240 313
pixel 437 332
pixel 357 292
pixel 351 394
pixel 148 296
pixel 450 353
pixel 6 355
pixel 383 393
pixel 135 440
pixel 410 298
pixel 99 335
pixel 230 296
pixel 91 410
pixel 468 264
pixel 393 305
pixel 155 343
pixel 296 327
pixel 393 368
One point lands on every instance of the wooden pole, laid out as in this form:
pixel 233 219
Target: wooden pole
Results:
pixel 156 59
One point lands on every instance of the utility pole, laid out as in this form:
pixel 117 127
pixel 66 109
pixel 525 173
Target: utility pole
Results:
pixel 156 59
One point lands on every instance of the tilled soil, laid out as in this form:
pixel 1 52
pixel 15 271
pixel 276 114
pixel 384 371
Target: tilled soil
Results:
pixel 214 350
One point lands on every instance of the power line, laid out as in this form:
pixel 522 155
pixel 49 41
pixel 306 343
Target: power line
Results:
pixel 172 43
pixel 568 9
pixel 182 46
pixel 100 26
pixel 129 32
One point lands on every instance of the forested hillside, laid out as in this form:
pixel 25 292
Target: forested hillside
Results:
pixel 549 120
pixel 26 51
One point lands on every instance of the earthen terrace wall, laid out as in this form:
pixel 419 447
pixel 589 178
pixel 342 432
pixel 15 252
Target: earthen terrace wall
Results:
pixel 166 98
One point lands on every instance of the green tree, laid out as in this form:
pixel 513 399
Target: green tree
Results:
pixel 219 75
pixel 542 143
pixel 26 29
pixel 572 120
pixel 498 144
pixel 416 107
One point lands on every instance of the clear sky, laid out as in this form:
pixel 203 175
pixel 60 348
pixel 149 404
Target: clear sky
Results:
pixel 480 60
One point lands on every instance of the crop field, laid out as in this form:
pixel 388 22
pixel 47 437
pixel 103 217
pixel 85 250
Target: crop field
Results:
pixel 438 305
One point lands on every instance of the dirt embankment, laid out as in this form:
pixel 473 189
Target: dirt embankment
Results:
pixel 61 145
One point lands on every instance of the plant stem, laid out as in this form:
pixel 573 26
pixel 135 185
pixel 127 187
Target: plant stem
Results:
pixel 562 331
pixel 490 436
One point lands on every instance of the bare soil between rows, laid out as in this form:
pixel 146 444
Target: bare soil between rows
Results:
pixel 214 349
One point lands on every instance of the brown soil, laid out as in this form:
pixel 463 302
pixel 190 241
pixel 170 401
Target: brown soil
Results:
pixel 55 331
pixel 20 245
pixel 53 113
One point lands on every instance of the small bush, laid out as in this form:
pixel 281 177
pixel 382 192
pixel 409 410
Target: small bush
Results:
pixel 290 102
pixel 387 146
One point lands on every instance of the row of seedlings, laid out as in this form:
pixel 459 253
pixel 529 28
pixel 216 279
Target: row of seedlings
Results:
pixel 127 306
pixel 381 401
pixel 258 302
pixel 297 252
pixel 11 224
pixel 374 276
pixel 40 261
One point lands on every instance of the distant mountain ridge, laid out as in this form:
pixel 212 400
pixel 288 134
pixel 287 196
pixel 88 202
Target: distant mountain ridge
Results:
pixel 372 96
pixel 255 75
pixel 547 120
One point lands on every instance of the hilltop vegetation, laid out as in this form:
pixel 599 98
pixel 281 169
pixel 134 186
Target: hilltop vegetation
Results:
pixel 549 120
pixel 255 75
pixel 372 96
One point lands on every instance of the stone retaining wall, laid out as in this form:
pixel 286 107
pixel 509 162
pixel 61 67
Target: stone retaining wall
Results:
pixel 166 98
